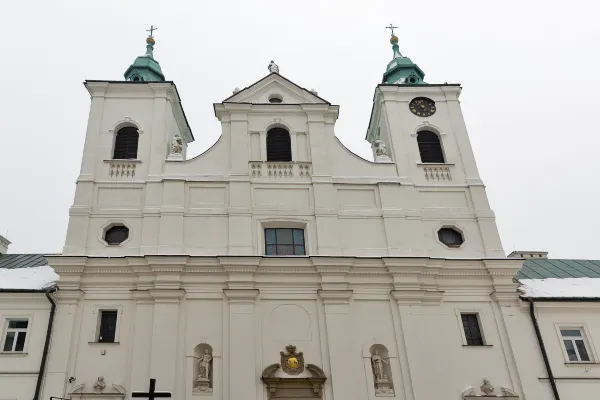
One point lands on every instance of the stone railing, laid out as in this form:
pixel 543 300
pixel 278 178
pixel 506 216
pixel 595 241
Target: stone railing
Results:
pixel 437 172
pixel 280 170
pixel 121 169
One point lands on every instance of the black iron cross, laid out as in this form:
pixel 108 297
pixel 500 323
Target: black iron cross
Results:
pixel 152 394
pixel 391 27
pixel 152 29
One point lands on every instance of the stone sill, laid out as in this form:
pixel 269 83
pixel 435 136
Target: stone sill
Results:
pixel 109 343
pixel 473 346
pixel 582 364
pixel 14 353
pixel 133 160
pixel 433 164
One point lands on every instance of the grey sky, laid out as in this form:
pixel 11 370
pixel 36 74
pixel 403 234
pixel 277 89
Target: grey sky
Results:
pixel 529 70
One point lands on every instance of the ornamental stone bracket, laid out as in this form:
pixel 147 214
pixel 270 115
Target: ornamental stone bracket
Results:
pixel 488 391
pixel 98 390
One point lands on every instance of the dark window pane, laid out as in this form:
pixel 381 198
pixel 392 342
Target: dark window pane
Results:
pixel 430 147
pixel 285 250
pixel 126 143
pixel 10 337
pixel 472 330
pixel 299 251
pixel 271 250
pixel 450 237
pixel 270 236
pixel 284 236
pixel 583 354
pixel 108 326
pixel 18 324
pixel 116 235
pixel 570 332
pixel 298 236
pixel 20 341
pixel 278 145
pixel 570 350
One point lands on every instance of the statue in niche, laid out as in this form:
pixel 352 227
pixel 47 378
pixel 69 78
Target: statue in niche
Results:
pixel 383 386
pixel 273 68
pixel 176 145
pixel 203 381
pixel 381 153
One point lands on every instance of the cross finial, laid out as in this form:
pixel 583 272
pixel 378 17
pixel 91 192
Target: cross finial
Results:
pixel 391 27
pixel 151 30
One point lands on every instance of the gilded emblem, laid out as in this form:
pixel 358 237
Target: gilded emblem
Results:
pixel 292 363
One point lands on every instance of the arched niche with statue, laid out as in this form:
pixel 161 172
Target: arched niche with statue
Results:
pixel 291 378
pixel 203 369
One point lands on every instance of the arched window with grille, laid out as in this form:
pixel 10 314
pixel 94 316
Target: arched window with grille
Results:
pixel 430 147
pixel 126 143
pixel 279 147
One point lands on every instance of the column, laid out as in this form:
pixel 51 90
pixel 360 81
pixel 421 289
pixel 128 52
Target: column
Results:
pixel 339 339
pixel 243 376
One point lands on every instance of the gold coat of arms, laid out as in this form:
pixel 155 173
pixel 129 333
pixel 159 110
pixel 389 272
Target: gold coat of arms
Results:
pixel 292 363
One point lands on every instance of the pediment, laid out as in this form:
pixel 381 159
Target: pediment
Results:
pixel 275 84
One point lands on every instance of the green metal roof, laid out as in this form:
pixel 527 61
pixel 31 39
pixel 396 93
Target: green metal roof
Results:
pixel 22 260
pixel 540 268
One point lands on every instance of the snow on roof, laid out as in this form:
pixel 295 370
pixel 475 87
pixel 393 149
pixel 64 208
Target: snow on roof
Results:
pixel 36 278
pixel 560 288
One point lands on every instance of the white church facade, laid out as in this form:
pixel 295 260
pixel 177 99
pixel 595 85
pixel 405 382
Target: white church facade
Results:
pixel 280 265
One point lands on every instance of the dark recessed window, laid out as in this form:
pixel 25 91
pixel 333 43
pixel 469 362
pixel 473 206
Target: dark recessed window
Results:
pixel 430 147
pixel 15 335
pixel 275 99
pixel 116 235
pixel 470 322
pixel 284 242
pixel 575 345
pixel 126 143
pixel 450 237
pixel 108 326
pixel 279 146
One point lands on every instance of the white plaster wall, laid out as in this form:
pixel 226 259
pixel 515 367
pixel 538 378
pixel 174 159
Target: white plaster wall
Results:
pixel 19 372
pixel 166 205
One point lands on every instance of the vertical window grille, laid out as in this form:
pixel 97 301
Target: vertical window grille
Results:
pixel 279 147
pixel 108 326
pixel 126 143
pixel 472 329
pixel 430 147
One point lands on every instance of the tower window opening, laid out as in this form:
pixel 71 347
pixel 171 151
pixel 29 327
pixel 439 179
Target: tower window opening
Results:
pixel 430 147
pixel 279 146
pixel 126 143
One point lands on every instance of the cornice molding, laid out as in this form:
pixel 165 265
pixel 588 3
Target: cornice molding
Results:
pixel 241 294
pixel 335 296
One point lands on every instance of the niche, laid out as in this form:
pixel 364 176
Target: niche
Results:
pixel 382 371
pixel 203 369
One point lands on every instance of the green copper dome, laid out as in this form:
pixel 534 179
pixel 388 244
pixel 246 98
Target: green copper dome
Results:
pixel 401 70
pixel 145 68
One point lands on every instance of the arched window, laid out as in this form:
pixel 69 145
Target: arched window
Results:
pixel 430 147
pixel 126 143
pixel 278 145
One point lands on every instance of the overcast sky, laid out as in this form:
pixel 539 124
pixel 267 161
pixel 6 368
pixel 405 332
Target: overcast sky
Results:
pixel 530 72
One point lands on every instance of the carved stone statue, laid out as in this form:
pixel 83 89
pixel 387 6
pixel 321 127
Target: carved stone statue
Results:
pixel 204 365
pixel 381 152
pixel 377 362
pixel 273 68
pixel 176 145
pixel 487 387
pixel 100 384
pixel 203 382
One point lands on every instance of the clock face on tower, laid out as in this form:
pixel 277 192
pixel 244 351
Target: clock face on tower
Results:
pixel 422 106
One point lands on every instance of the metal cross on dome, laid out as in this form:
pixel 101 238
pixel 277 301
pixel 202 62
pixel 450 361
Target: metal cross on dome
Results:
pixel 391 27
pixel 152 393
pixel 152 29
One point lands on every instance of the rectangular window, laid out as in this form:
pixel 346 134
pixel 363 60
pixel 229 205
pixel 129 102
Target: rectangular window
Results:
pixel 470 322
pixel 284 242
pixel 108 326
pixel 575 345
pixel 15 335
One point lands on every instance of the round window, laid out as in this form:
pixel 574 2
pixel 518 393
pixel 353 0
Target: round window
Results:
pixel 116 234
pixel 275 99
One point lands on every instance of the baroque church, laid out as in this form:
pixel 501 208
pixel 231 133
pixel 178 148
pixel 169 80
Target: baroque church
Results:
pixel 278 264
